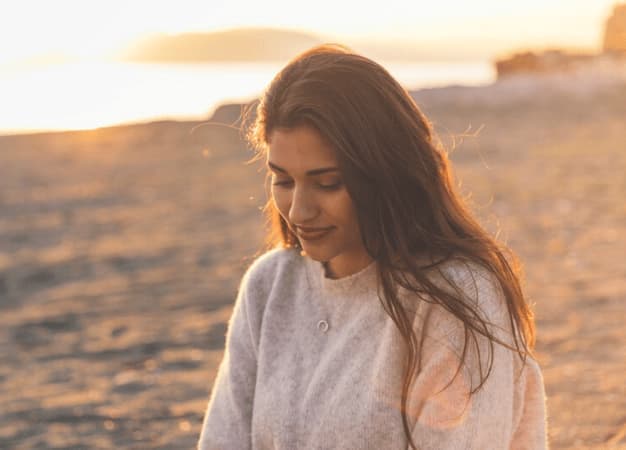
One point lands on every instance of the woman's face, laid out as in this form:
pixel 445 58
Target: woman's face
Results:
pixel 309 193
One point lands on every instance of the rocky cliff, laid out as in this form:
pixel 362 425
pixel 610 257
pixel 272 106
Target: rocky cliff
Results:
pixel 615 31
pixel 611 62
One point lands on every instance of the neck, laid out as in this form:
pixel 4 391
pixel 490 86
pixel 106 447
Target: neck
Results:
pixel 335 269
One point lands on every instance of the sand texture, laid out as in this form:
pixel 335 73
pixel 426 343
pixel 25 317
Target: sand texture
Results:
pixel 121 250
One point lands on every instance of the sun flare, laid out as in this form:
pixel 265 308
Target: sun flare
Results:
pixel 93 30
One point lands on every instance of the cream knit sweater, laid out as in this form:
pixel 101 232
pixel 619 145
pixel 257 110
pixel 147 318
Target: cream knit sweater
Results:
pixel 316 363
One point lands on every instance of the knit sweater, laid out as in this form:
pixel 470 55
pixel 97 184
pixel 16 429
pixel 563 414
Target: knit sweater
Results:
pixel 316 363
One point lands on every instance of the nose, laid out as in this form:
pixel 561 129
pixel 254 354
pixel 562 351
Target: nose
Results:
pixel 303 207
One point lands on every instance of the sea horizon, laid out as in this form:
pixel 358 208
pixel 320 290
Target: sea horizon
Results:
pixel 89 95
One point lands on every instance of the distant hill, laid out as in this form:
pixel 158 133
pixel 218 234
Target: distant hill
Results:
pixel 243 44
pixel 275 44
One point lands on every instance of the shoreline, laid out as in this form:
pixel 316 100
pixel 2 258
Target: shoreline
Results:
pixel 511 89
pixel 93 95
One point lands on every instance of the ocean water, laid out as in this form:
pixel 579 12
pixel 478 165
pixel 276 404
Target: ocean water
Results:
pixel 87 95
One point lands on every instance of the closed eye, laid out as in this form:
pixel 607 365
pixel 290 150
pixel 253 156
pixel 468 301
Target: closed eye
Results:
pixel 324 186
pixel 330 187
pixel 282 183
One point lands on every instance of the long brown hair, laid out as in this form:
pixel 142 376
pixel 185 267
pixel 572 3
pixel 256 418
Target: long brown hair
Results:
pixel 400 181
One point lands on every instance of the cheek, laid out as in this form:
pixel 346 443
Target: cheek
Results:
pixel 342 209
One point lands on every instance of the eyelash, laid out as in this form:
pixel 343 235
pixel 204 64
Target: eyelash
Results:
pixel 325 187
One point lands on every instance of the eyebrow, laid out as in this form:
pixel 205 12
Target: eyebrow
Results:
pixel 312 172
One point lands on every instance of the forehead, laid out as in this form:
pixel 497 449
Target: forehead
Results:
pixel 300 149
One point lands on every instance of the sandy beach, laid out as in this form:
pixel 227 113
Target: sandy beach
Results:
pixel 121 250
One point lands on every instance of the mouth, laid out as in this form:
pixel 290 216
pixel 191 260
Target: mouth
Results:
pixel 313 234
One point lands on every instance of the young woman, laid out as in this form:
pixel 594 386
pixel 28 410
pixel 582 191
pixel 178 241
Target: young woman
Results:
pixel 384 317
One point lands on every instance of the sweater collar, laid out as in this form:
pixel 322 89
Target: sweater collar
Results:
pixel 361 282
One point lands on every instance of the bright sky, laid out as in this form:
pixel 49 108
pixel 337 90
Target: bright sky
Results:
pixel 93 28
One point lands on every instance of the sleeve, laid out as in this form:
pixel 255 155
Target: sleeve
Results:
pixel 227 421
pixel 445 415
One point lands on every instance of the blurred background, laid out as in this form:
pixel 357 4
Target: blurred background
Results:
pixel 128 211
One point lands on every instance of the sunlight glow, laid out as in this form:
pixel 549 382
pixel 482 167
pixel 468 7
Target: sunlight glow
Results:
pixel 97 28
pixel 91 94
pixel 58 66
pixel 88 94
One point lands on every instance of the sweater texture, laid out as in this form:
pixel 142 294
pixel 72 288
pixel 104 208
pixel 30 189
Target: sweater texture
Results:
pixel 316 363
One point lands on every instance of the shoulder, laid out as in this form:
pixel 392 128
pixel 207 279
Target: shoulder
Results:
pixel 479 296
pixel 265 279
pixel 478 285
pixel 270 267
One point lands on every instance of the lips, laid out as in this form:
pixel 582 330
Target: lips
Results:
pixel 312 234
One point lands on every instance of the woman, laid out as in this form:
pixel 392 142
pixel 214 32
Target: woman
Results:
pixel 385 316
